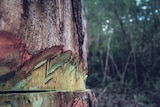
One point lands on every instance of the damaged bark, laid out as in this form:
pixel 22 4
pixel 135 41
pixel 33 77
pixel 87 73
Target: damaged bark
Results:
pixel 55 69
pixel 55 99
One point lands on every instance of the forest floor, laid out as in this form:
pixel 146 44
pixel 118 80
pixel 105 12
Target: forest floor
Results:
pixel 144 98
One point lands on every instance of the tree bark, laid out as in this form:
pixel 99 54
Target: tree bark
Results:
pixel 48 99
pixel 44 25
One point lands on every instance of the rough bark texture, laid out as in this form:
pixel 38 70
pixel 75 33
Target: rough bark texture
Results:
pixel 42 24
pixel 48 99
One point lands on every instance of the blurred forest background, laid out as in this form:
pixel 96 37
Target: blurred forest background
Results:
pixel 124 52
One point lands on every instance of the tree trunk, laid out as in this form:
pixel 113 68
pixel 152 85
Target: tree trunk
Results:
pixel 48 99
pixel 50 54
pixel 44 23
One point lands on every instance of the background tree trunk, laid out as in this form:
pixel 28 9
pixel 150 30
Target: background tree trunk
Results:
pixel 41 24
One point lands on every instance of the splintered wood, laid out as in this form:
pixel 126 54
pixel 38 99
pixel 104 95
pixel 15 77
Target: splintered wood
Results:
pixel 61 71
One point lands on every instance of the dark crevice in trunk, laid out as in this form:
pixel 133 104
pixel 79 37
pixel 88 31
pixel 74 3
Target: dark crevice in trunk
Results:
pixel 25 5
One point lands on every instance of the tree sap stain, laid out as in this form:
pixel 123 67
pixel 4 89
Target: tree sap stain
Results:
pixel 13 52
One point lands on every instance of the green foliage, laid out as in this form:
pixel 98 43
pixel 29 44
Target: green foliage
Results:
pixel 134 48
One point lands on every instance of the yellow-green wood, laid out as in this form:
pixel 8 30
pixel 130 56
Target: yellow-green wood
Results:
pixel 65 74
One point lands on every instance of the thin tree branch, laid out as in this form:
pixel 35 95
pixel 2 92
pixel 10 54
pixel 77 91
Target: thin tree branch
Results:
pixel 106 62
pixel 125 68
